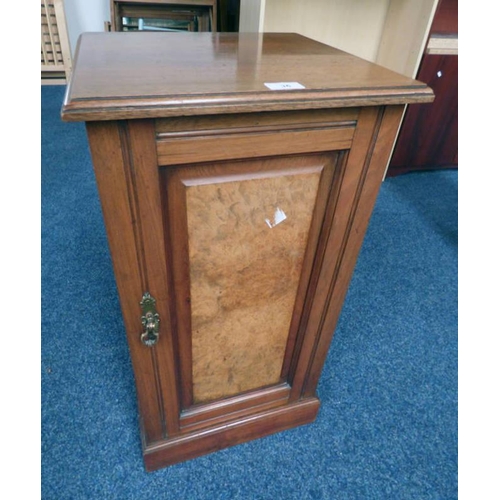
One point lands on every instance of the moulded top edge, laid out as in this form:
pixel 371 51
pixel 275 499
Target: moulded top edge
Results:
pixel 134 75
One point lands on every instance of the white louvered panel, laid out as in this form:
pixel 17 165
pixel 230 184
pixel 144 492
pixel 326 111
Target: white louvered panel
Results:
pixel 55 55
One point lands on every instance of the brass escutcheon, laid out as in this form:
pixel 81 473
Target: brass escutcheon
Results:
pixel 150 320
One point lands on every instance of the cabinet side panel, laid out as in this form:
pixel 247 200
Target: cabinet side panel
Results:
pixel 110 154
pixel 378 130
pixel 353 201
pixel 246 246
pixel 149 232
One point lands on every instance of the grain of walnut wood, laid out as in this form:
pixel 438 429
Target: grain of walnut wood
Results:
pixel 244 276
pixel 154 75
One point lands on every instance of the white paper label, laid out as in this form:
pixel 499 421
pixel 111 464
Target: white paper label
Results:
pixel 284 86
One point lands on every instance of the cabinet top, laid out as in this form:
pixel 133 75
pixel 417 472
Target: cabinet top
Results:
pixel 151 74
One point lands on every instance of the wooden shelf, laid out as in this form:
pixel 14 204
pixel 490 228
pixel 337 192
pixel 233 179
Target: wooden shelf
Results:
pixel 388 32
pixel 443 45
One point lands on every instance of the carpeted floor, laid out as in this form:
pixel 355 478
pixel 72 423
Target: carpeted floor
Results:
pixel 387 427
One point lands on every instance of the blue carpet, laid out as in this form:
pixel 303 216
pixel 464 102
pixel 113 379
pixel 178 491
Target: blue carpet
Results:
pixel 387 427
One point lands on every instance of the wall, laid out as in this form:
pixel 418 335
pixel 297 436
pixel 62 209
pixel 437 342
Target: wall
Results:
pixel 355 26
pixel 389 32
pixel 85 15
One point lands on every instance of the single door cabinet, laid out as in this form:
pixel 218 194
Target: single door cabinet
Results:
pixel 237 174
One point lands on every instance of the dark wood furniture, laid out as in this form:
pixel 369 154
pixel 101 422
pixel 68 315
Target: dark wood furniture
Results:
pixel 162 15
pixel 429 134
pixel 234 215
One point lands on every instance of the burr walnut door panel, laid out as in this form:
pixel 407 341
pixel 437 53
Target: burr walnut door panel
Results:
pixel 240 232
pixel 241 237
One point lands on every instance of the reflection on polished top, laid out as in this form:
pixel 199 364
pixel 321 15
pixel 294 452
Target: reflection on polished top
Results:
pixel 137 75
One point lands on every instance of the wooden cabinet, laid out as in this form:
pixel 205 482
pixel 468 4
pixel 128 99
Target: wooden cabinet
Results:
pixel 429 134
pixel 234 215
pixel 163 15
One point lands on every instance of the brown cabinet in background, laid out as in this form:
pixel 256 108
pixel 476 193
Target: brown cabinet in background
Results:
pixel 163 15
pixel 429 134
pixel 237 174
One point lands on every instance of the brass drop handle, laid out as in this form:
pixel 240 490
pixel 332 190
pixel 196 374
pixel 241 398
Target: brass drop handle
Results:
pixel 150 321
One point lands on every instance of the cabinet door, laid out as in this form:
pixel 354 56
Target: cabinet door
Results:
pixel 244 230
pixel 239 234
pixel 429 134
pixel 243 203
